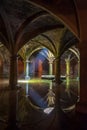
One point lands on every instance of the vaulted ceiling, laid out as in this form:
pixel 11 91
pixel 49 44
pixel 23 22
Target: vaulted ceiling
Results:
pixel 22 22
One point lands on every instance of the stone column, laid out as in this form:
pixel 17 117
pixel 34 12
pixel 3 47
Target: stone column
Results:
pixel 82 104
pixel 12 123
pixel 67 72
pixel 17 72
pixel 51 59
pixel 57 73
pixel 13 72
pixel 27 69
pixel 57 81
pixel 12 94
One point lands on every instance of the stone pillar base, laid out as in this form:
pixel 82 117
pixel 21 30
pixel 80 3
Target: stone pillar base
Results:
pixel 81 108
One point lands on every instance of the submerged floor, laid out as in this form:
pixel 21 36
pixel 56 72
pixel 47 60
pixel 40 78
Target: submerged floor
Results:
pixel 35 106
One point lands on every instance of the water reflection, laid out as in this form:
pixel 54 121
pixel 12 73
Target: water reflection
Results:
pixel 42 95
pixel 27 89
pixel 69 95
pixel 36 100
pixel 50 96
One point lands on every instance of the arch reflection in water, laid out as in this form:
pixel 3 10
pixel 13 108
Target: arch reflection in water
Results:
pixel 41 98
pixel 46 102
pixel 37 90
pixel 37 98
pixel 40 94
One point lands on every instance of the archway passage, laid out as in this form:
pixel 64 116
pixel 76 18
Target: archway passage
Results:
pixel 19 28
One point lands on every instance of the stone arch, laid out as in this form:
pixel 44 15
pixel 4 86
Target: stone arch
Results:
pixel 1 66
pixel 66 11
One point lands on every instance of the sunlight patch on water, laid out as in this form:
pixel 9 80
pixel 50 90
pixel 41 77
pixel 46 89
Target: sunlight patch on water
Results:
pixel 48 110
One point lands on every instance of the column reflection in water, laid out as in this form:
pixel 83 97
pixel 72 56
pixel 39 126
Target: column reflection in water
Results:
pixel 50 99
pixel 27 89
pixel 50 96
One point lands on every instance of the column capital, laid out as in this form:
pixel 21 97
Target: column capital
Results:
pixel 51 59
pixel 67 60
pixel 50 62
pixel 57 59
pixel 27 61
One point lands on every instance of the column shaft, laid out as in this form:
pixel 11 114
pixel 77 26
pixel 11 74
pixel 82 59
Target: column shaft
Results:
pixel 13 72
pixel 27 69
pixel 50 68
pixel 57 73
pixel 67 72
pixel 82 104
pixel 12 124
pixel 12 94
